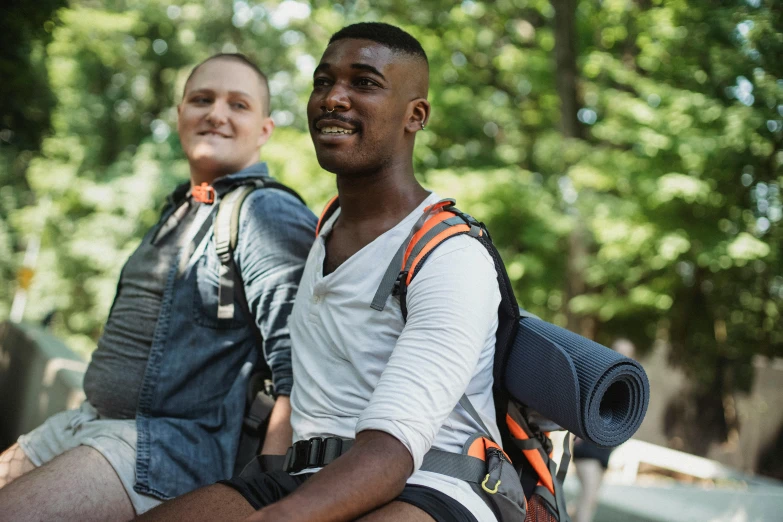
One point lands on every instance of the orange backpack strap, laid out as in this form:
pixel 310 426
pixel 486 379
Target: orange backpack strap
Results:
pixel 438 223
pixel 549 485
pixel 330 208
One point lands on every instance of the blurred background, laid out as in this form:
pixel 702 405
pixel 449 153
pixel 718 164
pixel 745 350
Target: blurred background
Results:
pixel 627 156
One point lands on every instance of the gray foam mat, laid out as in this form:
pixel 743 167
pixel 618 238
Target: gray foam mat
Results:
pixel 588 389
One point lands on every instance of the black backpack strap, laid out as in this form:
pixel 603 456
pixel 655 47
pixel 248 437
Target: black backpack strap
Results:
pixel 508 314
pixel 260 387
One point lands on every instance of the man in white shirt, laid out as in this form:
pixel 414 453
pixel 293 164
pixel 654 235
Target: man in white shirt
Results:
pixel 390 385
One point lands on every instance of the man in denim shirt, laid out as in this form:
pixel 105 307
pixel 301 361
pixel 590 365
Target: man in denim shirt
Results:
pixel 166 386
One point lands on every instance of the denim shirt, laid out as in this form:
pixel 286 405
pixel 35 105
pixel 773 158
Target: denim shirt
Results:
pixel 192 397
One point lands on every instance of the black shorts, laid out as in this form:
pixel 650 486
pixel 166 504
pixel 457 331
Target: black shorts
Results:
pixel 262 489
pixel 585 451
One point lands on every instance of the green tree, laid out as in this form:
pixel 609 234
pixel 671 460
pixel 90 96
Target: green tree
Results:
pixel 629 168
pixel 25 29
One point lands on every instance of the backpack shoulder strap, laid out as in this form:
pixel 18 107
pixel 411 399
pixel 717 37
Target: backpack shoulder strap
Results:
pixel 227 219
pixel 330 208
pixel 541 478
pixel 226 234
pixel 438 223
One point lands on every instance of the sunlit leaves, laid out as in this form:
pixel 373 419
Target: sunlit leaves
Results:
pixel 676 184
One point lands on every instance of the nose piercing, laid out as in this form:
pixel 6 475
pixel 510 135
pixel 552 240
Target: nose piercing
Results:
pixel 327 110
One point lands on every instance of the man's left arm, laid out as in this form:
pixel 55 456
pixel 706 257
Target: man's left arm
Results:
pixel 276 233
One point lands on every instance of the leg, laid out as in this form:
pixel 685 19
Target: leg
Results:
pixel 78 485
pixel 13 464
pixel 215 502
pixel 397 512
pixel 421 504
pixel 590 474
pixel 251 490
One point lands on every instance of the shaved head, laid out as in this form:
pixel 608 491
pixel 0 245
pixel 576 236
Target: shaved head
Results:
pixel 404 45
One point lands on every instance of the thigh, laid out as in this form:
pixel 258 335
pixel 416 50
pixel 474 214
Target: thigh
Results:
pixel 228 500
pixel 397 511
pixel 13 464
pixel 590 473
pixel 78 485
pixel 421 504
pixel 215 502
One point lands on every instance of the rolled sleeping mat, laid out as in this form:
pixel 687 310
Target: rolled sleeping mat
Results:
pixel 588 389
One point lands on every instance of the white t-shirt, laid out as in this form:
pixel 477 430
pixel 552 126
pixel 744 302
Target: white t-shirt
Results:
pixel 357 369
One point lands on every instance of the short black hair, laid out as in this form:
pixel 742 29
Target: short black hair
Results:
pixel 392 37
pixel 241 58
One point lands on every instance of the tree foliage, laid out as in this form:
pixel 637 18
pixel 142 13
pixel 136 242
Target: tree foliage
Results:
pixel 674 176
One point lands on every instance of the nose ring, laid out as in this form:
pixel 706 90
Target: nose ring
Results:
pixel 327 111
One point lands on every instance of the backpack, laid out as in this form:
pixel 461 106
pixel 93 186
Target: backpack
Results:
pixel 260 397
pixel 525 443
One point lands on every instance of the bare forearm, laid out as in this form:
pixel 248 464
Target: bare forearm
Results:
pixel 279 434
pixel 371 474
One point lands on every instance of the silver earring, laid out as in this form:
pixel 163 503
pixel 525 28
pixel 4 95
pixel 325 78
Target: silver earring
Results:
pixel 422 125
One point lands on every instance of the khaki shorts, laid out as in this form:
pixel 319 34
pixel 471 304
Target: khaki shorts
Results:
pixel 114 439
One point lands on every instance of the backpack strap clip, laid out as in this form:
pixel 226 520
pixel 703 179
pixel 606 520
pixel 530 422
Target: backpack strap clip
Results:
pixel 443 204
pixel 399 287
pixel 315 453
pixel 204 193
pixel 495 459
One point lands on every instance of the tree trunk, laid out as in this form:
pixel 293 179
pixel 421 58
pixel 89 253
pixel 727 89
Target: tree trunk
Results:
pixel 566 75
pixel 566 72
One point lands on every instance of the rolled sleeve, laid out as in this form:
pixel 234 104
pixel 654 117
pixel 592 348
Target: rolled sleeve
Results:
pixel 275 234
pixel 452 310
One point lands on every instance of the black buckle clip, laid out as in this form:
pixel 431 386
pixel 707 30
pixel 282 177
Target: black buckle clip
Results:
pixel 398 283
pixel 300 452
pixel 312 453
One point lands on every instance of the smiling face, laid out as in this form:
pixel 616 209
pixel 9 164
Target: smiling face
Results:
pixel 368 102
pixel 222 119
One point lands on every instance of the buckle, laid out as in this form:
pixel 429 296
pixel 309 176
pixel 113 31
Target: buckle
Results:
pixel 332 449
pixel 315 456
pixel 301 450
pixel 313 453
pixel 495 459
pixel 203 193
pixel 398 283
pixel 443 204
pixel 491 491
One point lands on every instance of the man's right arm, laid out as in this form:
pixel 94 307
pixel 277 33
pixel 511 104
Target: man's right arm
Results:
pixel 371 474
pixel 433 362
